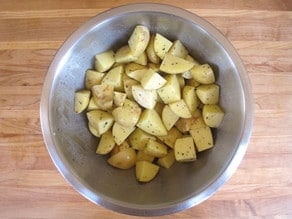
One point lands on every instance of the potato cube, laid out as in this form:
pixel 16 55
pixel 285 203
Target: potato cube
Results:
pixel 103 96
pixel 142 59
pixel 168 160
pixel 161 45
pixel 126 115
pixel 104 61
pixel 124 159
pixel 125 55
pixel 121 133
pixel 170 92
pixel 100 120
pixel 92 78
pixel 92 105
pixel 128 83
pixel 93 131
pixel 145 98
pixel 184 149
pixel 115 78
pixel 203 138
pixel 119 98
pixel 151 123
pixel 155 149
pixel 150 51
pixel 203 74
pixel 212 115
pixel 180 109
pixel 178 49
pixel 208 93
pixel 151 80
pixel 139 139
pixel 106 143
pixel 146 171
pixel 169 118
pixel 138 40
pixel 81 100
pixel 135 71
pixel 174 65
pixel 190 98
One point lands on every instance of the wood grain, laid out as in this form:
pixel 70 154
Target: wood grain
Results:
pixel 31 32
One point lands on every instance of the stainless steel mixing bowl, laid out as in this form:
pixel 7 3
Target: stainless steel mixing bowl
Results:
pixel 72 147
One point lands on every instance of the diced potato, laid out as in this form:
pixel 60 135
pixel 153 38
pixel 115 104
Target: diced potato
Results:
pixel 142 156
pixel 139 139
pixel 92 78
pixel 155 149
pixel 119 98
pixel 170 138
pixel 187 75
pixel 100 120
pixel 203 74
pixel 161 45
pixel 81 100
pixel 190 98
pixel 212 115
pixel 146 171
pixel 131 103
pixel 168 160
pixel 125 55
pixel 174 65
pixel 124 159
pixel 92 105
pixel 103 96
pixel 151 123
pixel 170 92
pixel 126 115
pixel 146 98
pixel 121 133
pixel 150 51
pixel 208 93
pixel 106 143
pixel 203 138
pixel 180 108
pixel 138 40
pixel 93 131
pixel 151 80
pixel 142 59
pixel 169 118
pixel 135 71
pixel 115 78
pixel 128 83
pixel 184 149
pixel 178 49
pixel 104 61
pixel 181 81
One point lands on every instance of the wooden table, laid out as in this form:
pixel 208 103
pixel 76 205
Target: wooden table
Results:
pixel 31 32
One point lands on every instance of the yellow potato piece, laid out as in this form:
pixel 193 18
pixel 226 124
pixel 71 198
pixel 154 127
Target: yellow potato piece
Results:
pixel 103 95
pixel 203 138
pixel 135 71
pixel 126 115
pixel 151 123
pixel 139 139
pixel 115 78
pixel 169 118
pixel 168 160
pixel 180 109
pixel 175 65
pixel 184 149
pixel 151 80
pixel 106 143
pixel 139 39
pixel 178 49
pixel 92 78
pixel 212 115
pixel 142 59
pixel 142 156
pixel 81 100
pixel 146 171
pixel 125 159
pixel 145 98
pixel 155 149
pixel 125 55
pixel 203 74
pixel 190 98
pixel 208 93
pixel 170 92
pixel 119 98
pixel 161 45
pixel 150 51
pixel 104 61
pixel 171 136
pixel 100 120
pixel 121 133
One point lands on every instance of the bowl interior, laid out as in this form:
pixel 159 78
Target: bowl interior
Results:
pixel 73 147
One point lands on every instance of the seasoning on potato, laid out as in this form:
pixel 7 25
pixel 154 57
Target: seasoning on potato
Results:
pixel 150 103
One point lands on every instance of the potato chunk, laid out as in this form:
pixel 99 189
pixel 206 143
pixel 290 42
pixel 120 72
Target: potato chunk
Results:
pixel 151 123
pixel 161 45
pixel 155 149
pixel 103 96
pixel 150 51
pixel 213 115
pixel 151 80
pixel 174 65
pixel 100 120
pixel 125 55
pixel 169 118
pixel 180 108
pixel 139 139
pixel 138 40
pixel 184 149
pixel 203 74
pixel 168 160
pixel 170 92
pixel 125 159
pixel 178 49
pixel 92 78
pixel 121 133
pixel 115 78
pixel 104 61
pixel 106 143
pixel 81 101
pixel 126 115
pixel 208 93
pixel 145 98
pixel 171 137
pixel 146 171
pixel 203 138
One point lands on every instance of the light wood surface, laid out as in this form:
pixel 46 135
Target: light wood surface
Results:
pixel 31 32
